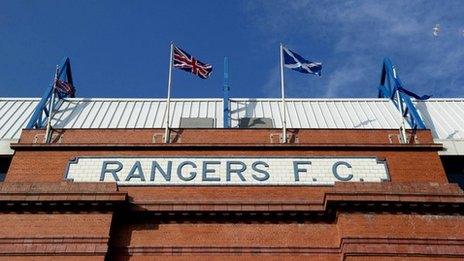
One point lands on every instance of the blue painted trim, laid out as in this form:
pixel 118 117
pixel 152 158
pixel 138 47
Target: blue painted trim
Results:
pixel 388 88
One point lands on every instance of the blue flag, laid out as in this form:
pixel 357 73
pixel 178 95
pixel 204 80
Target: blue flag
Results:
pixel 295 62
pixel 410 93
pixel 414 95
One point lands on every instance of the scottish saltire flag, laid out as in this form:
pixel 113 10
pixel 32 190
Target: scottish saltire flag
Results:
pixel 295 62
pixel 186 62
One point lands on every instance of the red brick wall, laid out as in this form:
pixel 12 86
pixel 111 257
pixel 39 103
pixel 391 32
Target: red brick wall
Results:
pixel 351 234
pixel 223 136
pixel 415 170
pixel 50 165
pixel 38 162
pixel 54 234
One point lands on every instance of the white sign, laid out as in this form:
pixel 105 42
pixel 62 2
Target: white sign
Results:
pixel 226 170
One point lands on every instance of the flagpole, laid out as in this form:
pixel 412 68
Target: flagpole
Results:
pixel 51 108
pixel 284 107
pixel 403 136
pixel 168 100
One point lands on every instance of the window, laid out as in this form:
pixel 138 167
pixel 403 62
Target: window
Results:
pixel 4 164
pixel 454 169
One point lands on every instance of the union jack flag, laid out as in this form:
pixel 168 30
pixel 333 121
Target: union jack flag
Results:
pixel 186 62
pixel 65 88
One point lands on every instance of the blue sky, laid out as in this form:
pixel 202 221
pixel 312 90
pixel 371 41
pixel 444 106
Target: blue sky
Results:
pixel 121 48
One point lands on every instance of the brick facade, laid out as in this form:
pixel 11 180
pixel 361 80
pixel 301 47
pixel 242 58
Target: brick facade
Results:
pixel 416 214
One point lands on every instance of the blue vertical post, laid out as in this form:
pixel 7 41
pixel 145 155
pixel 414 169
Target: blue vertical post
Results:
pixel 226 90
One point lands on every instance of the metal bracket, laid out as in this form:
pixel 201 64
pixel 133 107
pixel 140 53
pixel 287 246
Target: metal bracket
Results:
pixel 277 138
pixel 41 138
pixel 159 137
pixel 396 138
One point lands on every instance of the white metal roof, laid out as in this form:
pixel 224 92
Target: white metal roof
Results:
pixel 82 113
pixel 132 113
pixel 14 116
pixel 445 117
pixel 320 113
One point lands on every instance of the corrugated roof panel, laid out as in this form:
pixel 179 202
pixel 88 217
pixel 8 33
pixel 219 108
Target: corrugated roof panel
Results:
pixel 106 110
pixel 116 114
pixel 100 115
pixel 7 112
pixel 86 116
pixel 455 113
pixel 219 115
pixel 374 121
pixel 302 121
pixel 247 111
pixel 212 109
pixel 445 117
pixel 273 112
pixel 175 113
pixel 257 112
pixel 195 109
pixel 14 116
pixel 327 114
pixel 203 110
pixel 335 119
pixel 292 117
pixel 142 115
pixel 383 116
pixel 362 120
pixel 134 115
pixel 309 115
pixel 14 125
pixel 10 111
pixel 321 113
pixel 59 118
pixel 187 109
pixel 359 120
pixel 126 116
pixel 367 116
pixel 160 114
pixel 345 119
pixel 76 111
pixel 7 116
pixel 151 117
pixel 92 115
pixel 321 121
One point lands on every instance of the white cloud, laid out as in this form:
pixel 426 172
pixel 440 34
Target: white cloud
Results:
pixel 353 37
